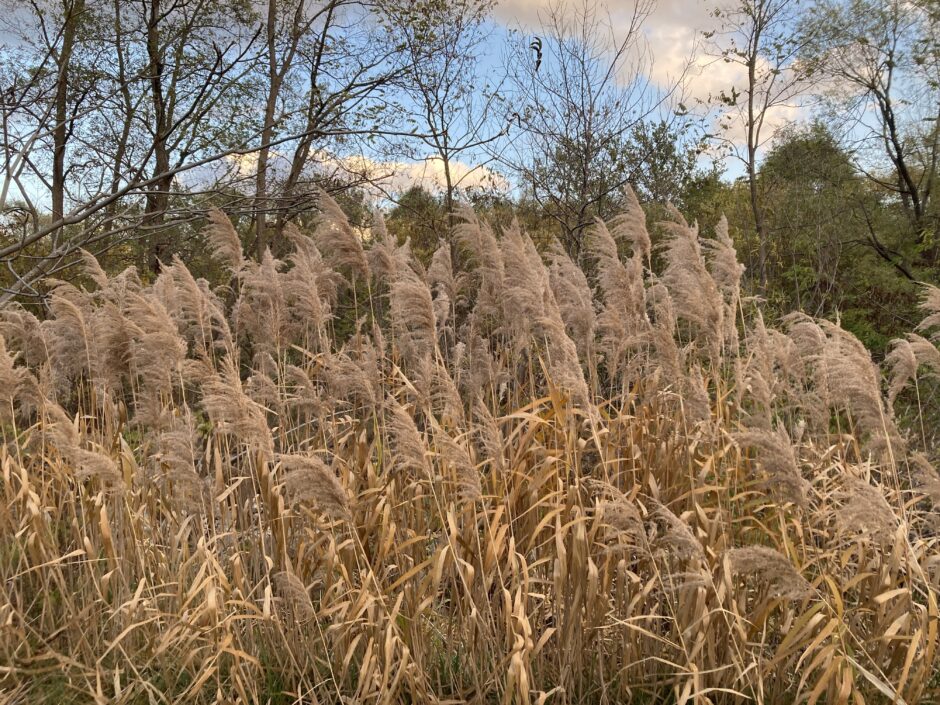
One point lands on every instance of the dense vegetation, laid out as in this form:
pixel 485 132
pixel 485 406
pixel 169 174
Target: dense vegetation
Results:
pixel 339 363
pixel 347 477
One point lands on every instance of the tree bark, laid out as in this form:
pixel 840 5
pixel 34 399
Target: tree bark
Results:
pixel 60 133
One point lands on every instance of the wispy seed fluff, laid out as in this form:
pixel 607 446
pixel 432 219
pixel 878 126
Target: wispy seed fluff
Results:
pixel 337 240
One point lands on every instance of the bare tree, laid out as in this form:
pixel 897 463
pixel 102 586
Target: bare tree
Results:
pixel 447 99
pixel 759 36
pixel 160 98
pixel 286 24
pixel 575 93
pixel 348 74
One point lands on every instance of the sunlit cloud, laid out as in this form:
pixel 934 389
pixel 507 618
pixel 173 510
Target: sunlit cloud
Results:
pixel 675 35
pixel 379 176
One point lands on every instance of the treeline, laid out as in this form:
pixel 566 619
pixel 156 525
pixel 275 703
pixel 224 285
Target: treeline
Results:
pixel 124 122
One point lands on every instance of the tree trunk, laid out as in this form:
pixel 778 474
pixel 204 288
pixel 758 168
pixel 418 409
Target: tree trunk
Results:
pixel 60 133
pixel 753 141
pixel 158 196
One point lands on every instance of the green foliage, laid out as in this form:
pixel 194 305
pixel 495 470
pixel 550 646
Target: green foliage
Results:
pixel 418 216
pixel 839 246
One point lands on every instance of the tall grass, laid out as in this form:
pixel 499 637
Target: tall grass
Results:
pixel 503 480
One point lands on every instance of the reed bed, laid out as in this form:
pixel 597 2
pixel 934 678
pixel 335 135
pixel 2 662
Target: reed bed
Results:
pixel 507 478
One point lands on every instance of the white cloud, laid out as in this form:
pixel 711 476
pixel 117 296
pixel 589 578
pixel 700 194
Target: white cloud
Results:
pixel 393 176
pixel 674 32
pixel 397 176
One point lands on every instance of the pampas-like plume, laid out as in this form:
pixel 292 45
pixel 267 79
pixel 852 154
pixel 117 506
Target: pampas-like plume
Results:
pixel 524 292
pixel 309 288
pixel 926 478
pixel 233 411
pixel 261 387
pixel 726 271
pixel 157 351
pixel 444 397
pixel 441 277
pixel 176 457
pixel 352 380
pixel 723 263
pixel 623 317
pixel 308 480
pixel 630 226
pixel 489 436
pixel 865 512
pixel 777 459
pixel 695 294
pixel 772 365
pixel 480 370
pixel 307 256
pixel 227 246
pixel 695 397
pixel 338 241
pixel 661 305
pixel 73 344
pixel 294 594
pixel 626 521
pixel 11 377
pixel 854 382
pixel 382 260
pixel 92 269
pixel 412 314
pixel 261 310
pixel 455 455
pixel 670 536
pixel 564 368
pixel 575 301
pixel 930 303
pixel 476 238
pixel 24 332
pixel 86 464
pixel 304 393
pixel 198 312
pixel 379 228
pixel 407 443
pixel 532 313
pixel 772 569
pixel 904 359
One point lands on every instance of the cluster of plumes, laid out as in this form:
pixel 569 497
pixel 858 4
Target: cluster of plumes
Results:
pixel 632 439
pixel 460 335
pixel 914 353
pixel 776 459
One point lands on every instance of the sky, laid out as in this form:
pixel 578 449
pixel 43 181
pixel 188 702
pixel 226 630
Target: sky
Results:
pixel 674 33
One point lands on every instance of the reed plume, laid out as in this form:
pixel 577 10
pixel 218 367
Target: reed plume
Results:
pixel 338 241
pixel 771 569
pixel 630 226
pixel 695 294
pixel 308 480
pixel 225 242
